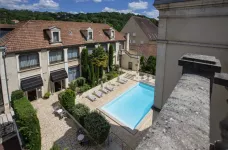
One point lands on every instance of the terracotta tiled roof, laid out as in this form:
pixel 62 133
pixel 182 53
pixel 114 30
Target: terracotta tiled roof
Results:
pixel 145 50
pixel 31 35
pixel 7 26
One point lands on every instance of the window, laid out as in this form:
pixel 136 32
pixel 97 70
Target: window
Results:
pixel 112 34
pixel 73 73
pixel 90 35
pixel 55 56
pixel 55 36
pixel 72 53
pixel 133 41
pixel 29 60
pixel 134 34
pixel 90 49
pixel 141 42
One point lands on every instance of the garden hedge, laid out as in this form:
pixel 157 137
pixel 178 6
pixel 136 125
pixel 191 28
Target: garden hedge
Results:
pixel 97 126
pixel 18 94
pixel 67 99
pixel 80 111
pixel 28 123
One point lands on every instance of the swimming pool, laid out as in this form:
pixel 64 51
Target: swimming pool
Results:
pixel 131 107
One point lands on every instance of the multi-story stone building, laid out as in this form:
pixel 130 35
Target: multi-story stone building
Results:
pixel 42 56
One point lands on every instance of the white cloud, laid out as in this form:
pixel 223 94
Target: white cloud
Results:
pixel 138 5
pixel 97 1
pixel 73 12
pixel 22 4
pixel 125 11
pixel 152 14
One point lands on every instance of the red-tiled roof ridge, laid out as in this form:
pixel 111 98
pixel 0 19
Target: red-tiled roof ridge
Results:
pixel 30 35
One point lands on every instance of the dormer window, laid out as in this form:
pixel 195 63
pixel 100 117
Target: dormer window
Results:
pixel 87 33
pixel 90 35
pixel 55 37
pixel 112 34
pixel 54 34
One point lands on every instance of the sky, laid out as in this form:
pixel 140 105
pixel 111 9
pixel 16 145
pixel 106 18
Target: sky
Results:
pixel 142 7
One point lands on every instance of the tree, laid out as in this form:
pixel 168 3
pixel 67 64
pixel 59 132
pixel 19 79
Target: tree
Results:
pixel 142 63
pixel 84 63
pixel 91 76
pixel 110 57
pixel 151 65
pixel 97 126
pixel 99 57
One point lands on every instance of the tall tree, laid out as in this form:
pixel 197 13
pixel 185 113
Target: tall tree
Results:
pixel 84 63
pixel 91 74
pixel 99 57
pixel 110 57
pixel 151 65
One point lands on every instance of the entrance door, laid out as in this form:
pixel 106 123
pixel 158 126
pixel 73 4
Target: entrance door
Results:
pixel 130 65
pixel 32 95
pixel 58 86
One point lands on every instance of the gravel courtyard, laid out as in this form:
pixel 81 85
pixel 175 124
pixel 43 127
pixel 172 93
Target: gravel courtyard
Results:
pixel 54 130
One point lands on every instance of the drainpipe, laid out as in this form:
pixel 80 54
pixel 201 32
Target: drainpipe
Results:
pixel 6 78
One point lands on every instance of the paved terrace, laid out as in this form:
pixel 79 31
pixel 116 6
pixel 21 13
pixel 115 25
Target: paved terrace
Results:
pixel 54 130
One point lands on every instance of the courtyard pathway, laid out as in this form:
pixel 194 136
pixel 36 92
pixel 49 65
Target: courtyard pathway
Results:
pixel 54 130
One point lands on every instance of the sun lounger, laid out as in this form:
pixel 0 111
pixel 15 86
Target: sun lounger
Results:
pixel 104 90
pixel 125 80
pixel 110 88
pixel 98 94
pixel 91 97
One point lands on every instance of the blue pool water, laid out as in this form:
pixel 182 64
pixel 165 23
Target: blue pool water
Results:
pixel 131 107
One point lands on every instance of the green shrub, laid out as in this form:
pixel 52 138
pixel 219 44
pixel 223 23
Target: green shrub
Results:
pixel 18 94
pixel 84 88
pixel 80 81
pixel 104 79
pixel 47 95
pixel 73 85
pixel 55 147
pixel 67 100
pixel 116 67
pixel 97 126
pixel 80 111
pixel 112 75
pixel 28 123
pixel 60 96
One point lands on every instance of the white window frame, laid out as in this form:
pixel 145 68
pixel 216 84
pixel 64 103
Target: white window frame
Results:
pixel 112 34
pixel 52 35
pixel 53 62
pixel 89 30
pixel 28 67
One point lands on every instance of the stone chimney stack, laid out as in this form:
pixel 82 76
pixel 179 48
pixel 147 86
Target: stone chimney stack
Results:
pixel 128 41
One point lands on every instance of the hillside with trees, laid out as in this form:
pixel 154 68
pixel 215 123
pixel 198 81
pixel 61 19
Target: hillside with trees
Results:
pixel 114 19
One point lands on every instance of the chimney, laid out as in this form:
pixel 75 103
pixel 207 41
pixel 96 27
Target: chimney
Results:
pixel 128 41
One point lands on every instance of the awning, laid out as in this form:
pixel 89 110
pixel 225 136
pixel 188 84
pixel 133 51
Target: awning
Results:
pixel 58 75
pixel 31 83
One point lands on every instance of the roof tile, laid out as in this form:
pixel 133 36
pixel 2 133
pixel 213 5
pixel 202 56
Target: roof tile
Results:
pixel 31 35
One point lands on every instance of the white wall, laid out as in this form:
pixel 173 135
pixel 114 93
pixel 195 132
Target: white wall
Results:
pixel 192 30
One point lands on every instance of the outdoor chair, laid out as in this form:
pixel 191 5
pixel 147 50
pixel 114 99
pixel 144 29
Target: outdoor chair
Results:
pixel 98 94
pixel 91 97
pixel 104 90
